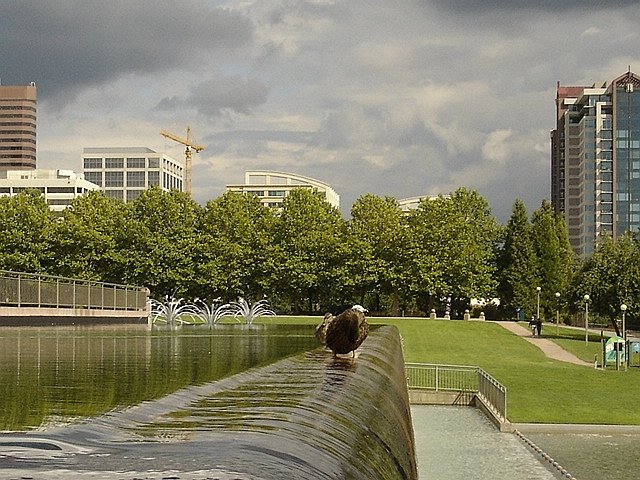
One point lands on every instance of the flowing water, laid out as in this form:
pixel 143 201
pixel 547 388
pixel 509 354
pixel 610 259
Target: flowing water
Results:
pixel 453 443
pixel 230 403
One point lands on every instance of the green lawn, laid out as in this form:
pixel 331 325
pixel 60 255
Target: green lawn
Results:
pixel 540 390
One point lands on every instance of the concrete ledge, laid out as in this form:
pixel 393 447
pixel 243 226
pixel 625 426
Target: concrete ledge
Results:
pixel 432 397
pixel 466 399
pixel 34 316
pixel 500 424
pixel 577 428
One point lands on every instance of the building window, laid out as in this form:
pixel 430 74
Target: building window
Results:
pixel 114 179
pixel 60 190
pixel 92 163
pixel 133 194
pixel 117 194
pixel 608 218
pixel 154 162
pixel 135 163
pixel 154 178
pixel 94 177
pixel 276 193
pixel 59 201
pixel 114 162
pixel 135 179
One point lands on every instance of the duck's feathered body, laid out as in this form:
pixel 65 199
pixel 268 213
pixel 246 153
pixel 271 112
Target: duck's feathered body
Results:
pixel 321 329
pixel 344 333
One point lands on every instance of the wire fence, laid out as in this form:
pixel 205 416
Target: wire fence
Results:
pixel 19 289
pixel 458 378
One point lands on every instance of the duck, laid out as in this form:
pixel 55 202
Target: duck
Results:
pixel 321 329
pixel 345 332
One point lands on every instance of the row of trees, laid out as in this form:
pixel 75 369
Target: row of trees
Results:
pixel 306 258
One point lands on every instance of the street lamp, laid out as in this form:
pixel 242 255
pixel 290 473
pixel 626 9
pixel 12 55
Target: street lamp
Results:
pixel 558 313
pixel 586 318
pixel 623 307
pixel 538 315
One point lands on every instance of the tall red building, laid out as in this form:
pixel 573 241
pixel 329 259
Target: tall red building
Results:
pixel 18 127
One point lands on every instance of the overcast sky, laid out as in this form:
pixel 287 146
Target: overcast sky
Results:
pixel 392 98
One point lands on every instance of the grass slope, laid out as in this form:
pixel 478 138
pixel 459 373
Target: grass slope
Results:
pixel 540 390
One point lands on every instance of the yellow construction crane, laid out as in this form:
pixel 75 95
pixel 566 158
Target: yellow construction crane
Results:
pixel 188 152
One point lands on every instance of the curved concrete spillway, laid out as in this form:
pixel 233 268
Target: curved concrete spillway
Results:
pixel 309 416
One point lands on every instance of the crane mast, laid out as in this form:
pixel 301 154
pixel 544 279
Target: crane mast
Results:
pixel 190 147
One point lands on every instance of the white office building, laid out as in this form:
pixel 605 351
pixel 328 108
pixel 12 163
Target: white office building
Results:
pixel 125 172
pixel 59 187
pixel 413 203
pixel 273 187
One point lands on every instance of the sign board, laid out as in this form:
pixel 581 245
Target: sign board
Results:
pixel 613 344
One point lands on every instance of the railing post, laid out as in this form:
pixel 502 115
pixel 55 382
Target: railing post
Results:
pixel 57 293
pixel 39 291
pixel 437 379
pixel 19 287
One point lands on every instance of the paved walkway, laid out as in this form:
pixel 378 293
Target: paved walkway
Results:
pixel 550 349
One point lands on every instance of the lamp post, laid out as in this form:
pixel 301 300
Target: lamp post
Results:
pixel 623 307
pixel 557 313
pixel 538 312
pixel 586 318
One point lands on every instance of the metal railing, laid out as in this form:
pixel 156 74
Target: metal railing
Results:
pixel 458 378
pixel 19 289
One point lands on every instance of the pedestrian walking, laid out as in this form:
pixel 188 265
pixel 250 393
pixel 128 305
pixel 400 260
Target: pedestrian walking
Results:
pixel 532 326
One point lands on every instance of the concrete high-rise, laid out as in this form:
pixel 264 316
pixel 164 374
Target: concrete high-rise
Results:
pixel 125 172
pixel 595 160
pixel 18 127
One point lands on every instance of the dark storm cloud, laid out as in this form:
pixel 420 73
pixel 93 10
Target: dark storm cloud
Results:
pixel 64 45
pixel 489 6
pixel 210 98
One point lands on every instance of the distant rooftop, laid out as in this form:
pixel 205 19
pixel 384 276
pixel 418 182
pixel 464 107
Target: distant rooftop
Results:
pixel 118 150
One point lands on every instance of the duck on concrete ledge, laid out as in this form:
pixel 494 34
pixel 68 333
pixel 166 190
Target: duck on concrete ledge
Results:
pixel 345 332
pixel 321 329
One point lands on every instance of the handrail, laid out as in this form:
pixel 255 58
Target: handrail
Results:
pixel 459 378
pixel 20 289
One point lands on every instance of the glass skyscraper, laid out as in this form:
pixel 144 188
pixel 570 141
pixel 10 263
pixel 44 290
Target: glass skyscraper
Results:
pixel 595 160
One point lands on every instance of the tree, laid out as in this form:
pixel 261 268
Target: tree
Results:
pixel 25 229
pixel 517 264
pixel 238 259
pixel 377 243
pixel 162 257
pixel 611 277
pixel 92 239
pixel 453 247
pixel 555 261
pixel 310 252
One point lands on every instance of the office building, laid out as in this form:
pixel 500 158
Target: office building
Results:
pixel 18 127
pixel 273 187
pixel 595 160
pixel 59 187
pixel 125 172
pixel 413 203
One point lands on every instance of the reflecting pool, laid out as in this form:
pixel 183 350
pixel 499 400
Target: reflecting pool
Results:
pixel 58 375
pixel 593 457
pixel 240 402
